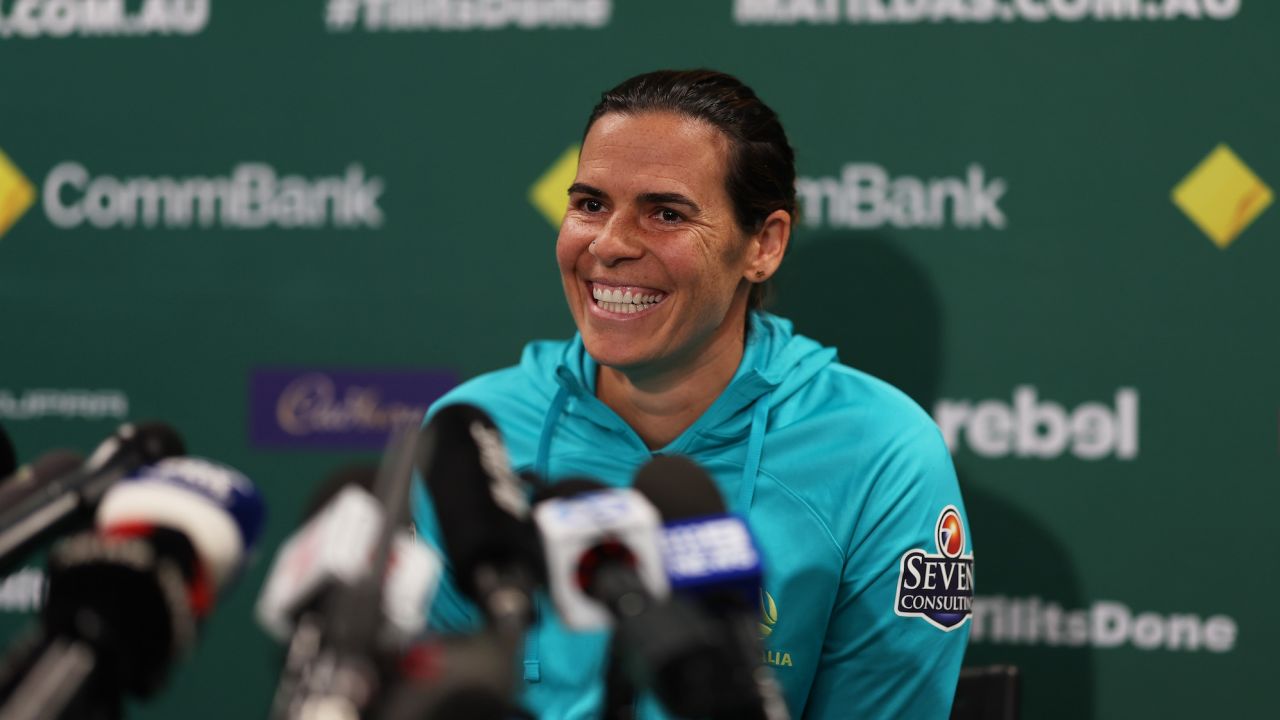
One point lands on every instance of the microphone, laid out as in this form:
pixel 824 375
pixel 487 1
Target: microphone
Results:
pixel 335 666
pixel 124 602
pixel 483 516
pixel 26 478
pixel 30 478
pixel 602 554
pixel 67 498
pixel 335 547
pixel 711 559
pixel 605 568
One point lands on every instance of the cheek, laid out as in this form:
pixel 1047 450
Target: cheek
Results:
pixel 569 247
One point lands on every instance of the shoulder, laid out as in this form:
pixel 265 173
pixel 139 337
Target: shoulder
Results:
pixel 857 412
pixel 854 447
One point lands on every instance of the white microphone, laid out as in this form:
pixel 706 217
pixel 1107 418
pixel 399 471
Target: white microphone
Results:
pixel 592 539
pixel 335 548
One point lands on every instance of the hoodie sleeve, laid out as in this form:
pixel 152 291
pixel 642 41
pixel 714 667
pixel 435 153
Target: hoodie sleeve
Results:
pixel 890 649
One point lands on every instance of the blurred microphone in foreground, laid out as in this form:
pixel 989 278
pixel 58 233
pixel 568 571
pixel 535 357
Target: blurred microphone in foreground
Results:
pixel 493 547
pixel 711 559
pixel 330 580
pixel 125 602
pixel 59 494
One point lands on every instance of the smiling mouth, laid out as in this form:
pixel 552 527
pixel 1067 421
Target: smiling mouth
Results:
pixel 625 301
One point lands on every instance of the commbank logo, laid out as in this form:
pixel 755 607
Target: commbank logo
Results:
pixel 253 196
pixel 16 193
pixel 1043 429
pixel 864 196
pixel 1222 196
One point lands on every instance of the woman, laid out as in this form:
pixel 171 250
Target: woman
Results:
pixel 680 212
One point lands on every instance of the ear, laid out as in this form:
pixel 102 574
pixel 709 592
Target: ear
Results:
pixel 766 248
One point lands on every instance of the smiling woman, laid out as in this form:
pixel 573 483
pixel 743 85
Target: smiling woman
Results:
pixel 681 211
pixel 656 270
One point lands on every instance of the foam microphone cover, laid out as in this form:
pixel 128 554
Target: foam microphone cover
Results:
pixel 679 488
pixel 217 508
pixel 480 503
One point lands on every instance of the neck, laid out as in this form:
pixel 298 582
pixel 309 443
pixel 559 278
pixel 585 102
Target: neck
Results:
pixel 660 404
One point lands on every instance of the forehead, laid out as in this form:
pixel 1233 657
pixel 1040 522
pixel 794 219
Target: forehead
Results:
pixel 654 152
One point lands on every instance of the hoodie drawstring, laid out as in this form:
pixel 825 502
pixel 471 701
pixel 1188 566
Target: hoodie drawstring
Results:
pixel 542 463
pixel 542 466
pixel 755 448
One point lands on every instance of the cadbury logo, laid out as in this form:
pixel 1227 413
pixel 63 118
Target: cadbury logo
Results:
pixel 339 408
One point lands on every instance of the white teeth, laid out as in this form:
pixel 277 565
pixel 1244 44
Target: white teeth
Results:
pixel 617 301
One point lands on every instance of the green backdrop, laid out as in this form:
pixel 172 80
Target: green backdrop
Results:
pixel 195 189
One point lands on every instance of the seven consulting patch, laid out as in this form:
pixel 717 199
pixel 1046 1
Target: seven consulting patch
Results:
pixel 938 586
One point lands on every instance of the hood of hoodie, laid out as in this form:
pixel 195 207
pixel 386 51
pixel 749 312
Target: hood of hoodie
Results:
pixel 775 364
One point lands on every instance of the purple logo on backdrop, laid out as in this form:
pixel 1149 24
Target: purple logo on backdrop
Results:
pixel 339 408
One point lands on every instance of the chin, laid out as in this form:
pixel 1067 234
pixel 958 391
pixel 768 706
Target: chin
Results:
pixel 608 354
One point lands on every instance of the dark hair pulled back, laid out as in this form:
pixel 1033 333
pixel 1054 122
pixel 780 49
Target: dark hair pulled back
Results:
pixel 761 175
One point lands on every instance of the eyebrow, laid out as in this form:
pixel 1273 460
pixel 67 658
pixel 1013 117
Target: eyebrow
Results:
pixel 670 199
pixel 585 189
pixel 654 198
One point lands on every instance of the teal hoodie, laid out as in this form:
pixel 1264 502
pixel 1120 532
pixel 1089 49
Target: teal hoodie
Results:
pixel 839 475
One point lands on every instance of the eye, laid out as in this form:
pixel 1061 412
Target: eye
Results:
pixel 591 205
pixel 667 215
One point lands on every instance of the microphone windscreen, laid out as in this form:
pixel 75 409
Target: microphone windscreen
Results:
pixel 679 488
pixel 480 503
pixel 217 508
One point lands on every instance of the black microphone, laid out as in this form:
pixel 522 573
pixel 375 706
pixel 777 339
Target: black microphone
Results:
pixel 712 560
pixel 483 514
pixel 67 499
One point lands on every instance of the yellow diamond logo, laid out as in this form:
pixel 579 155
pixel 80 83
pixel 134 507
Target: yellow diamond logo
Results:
pixel 16 193
pixel 1222 196
pixel 548 193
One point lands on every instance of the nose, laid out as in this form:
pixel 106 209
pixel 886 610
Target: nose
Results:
pixel 617 241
